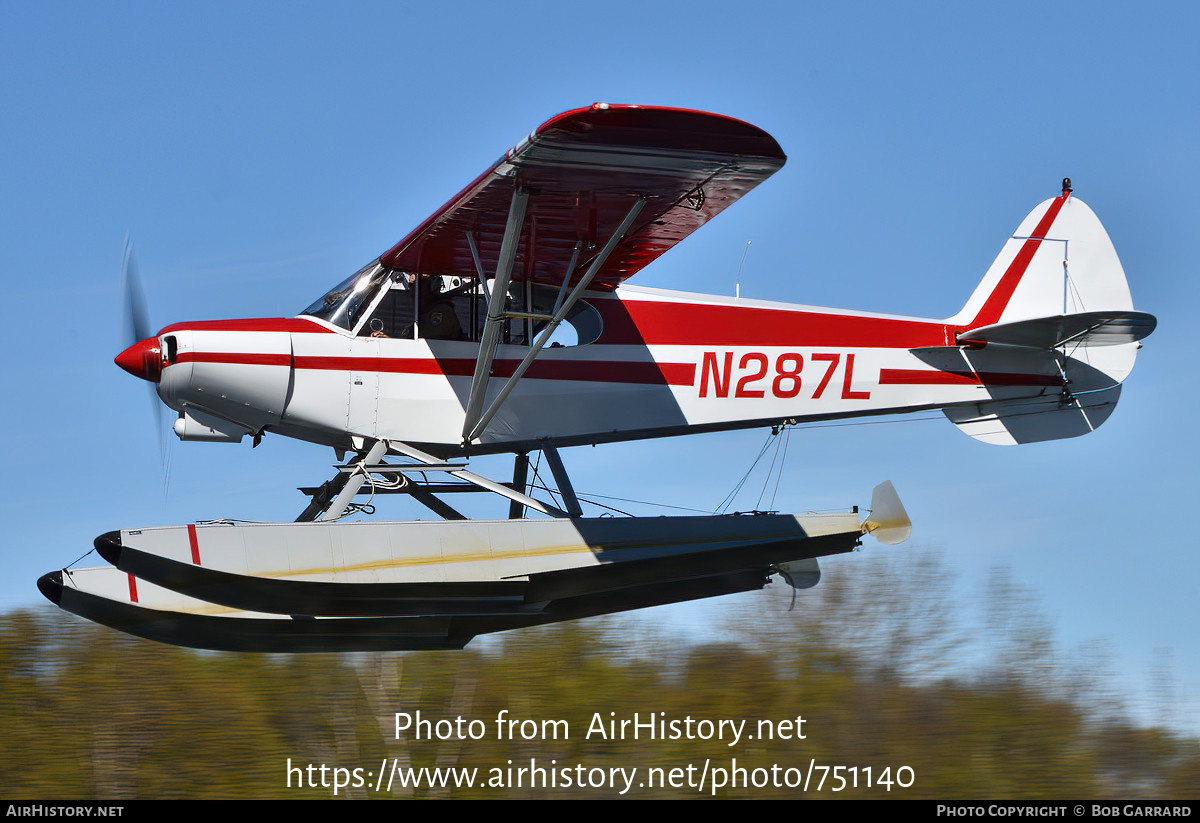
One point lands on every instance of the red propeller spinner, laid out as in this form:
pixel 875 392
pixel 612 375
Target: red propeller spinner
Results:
pixel 143 359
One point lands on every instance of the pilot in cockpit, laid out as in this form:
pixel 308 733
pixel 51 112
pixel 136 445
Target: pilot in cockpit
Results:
pixel 443 314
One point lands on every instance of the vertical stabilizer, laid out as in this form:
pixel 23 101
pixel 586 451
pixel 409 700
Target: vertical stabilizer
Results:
pixel 1060 261
pixel 1056 290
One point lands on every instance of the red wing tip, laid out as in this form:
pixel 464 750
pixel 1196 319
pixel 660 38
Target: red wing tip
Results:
pixel 652 112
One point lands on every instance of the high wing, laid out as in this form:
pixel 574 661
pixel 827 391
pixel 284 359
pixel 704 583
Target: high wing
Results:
pixel 587 200
pixel 582 172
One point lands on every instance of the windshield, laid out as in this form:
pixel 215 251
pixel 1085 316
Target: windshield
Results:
pixel 343 305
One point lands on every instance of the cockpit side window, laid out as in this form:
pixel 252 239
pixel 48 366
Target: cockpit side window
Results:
pixel 345 303
pixel 582 324
pixel 395 315
pixel 449 307
pixel 432 307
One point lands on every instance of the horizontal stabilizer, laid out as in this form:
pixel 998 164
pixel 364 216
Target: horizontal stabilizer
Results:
pixel 1035 419
pixel 1093 328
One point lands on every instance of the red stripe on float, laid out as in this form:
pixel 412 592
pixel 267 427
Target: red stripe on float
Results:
pixel 132 589
pixel 194 543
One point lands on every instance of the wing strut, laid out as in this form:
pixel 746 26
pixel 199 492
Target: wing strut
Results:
pixel 476 422
pixel 487 289
pixel 495 318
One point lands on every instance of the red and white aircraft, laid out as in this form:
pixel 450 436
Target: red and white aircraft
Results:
pixel 503 324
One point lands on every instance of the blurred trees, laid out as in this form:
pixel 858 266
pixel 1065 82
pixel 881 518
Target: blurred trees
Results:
pixel 884 665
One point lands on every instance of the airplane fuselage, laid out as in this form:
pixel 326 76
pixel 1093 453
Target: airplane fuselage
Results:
pixel 665 363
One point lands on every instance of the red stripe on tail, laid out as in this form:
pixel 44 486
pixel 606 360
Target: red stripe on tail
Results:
pixel 996 302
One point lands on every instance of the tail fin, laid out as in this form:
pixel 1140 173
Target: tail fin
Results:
pixel 1057 291
pixel 1059 261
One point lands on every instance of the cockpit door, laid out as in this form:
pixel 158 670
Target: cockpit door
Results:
pixel 363 403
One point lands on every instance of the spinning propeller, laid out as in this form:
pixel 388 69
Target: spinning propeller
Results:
pixel 142 356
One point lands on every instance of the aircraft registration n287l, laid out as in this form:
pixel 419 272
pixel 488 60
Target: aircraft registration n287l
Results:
pixel 503 324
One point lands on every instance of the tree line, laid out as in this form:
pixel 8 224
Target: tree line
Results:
pixel 880 661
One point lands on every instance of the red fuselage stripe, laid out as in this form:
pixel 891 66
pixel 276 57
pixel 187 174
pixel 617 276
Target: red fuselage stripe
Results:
pixel 272 324
pixel 923 377
pixel 195 544
pixel 235 358
pixel 672 374
pixel 641 322
pixel 647 322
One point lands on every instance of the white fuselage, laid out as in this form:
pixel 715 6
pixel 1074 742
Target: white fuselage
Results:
pixel 666 363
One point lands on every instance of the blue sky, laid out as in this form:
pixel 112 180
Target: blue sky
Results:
pixel 258 153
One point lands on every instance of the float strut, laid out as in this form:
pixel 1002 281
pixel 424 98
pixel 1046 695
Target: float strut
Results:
pixel 570 501
pixel 516 509
pixel 355 481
